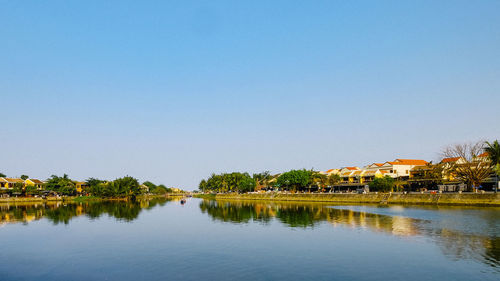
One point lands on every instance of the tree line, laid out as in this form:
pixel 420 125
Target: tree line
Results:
pixel 294 180
pixel 121 187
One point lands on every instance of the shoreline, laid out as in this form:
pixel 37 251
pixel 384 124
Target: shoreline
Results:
pixel 449 199
pixel 78 198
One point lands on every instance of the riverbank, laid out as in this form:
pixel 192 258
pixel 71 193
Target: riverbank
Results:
pixel 77 198
pixel 470 199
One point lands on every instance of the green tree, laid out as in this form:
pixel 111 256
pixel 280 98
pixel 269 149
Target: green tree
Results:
pixel 92 182
pixel 24 177
pixel 18 187
pixel 319 180
pixel 2 175
pixel 333 179
pixel 493 150
pixel 294 180
pixel 384 184
pixel 63 185
pixel 246 184
pixel 203 185
pixel 30 190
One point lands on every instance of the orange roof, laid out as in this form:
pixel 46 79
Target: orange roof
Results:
pixel 356 173
pixel 352 168
pixel 331 170
pixel 379 164
pixel 408 162
pixel 384 172
pixel 370 173
pixel 12 180
pixel 36 181
pixel 484 154
pixel 450 159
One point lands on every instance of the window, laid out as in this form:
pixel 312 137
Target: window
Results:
pixel 391 171
pixel 407 172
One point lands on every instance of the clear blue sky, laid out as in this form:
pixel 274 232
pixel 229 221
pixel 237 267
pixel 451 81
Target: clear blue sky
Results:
pixel 172 91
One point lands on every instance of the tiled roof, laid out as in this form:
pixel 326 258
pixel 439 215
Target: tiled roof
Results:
pixel 484 154
pixel 450 159
pixel 352 168
pixel 408 162
pixel 370 173
pixel 36 181
pixel 13 180
pixel 356 173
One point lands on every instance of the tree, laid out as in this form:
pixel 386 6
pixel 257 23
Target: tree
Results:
pixel 2 175
pixel 318 180
pixel 246 184
pixel 295 179
pixel 30 190
pixel 262 179
pixel 473 169
pixel 63 185
pixel 203 185
pixel 150 185
pixel 493 150
pixel 228 182
pixel 384 184
pixel 333 179
pixel 24 177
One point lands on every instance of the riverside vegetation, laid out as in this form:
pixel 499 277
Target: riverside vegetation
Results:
pixel 92 188
pixel 472 170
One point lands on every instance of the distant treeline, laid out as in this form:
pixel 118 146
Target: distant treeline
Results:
pixel 121 187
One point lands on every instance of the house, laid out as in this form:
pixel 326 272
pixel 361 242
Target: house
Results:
pixel 3 183
pixel 369 175
pixel 12 182
pixel 346 172
pixel 355 177
pixel 400 168
pixel 144 188
pixel 34 182
pixel 81 186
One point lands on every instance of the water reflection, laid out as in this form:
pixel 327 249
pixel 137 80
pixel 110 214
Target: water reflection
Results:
pixel 476 239
pixel 63 212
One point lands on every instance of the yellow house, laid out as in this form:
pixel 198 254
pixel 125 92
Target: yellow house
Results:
pixel 11 182
pixel 81 186
pixel 3 183
pixel 34 182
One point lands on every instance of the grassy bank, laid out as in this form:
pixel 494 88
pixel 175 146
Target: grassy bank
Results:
pixel 476 199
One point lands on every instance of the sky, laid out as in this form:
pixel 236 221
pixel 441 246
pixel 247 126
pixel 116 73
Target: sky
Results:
pixel 172 91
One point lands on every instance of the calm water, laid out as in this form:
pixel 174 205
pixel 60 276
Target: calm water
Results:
pixel 228 240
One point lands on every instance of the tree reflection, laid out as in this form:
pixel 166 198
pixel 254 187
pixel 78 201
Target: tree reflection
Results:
pixel 63 212
pixel 454 243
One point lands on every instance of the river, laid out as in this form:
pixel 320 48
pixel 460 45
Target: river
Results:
pixel 163 239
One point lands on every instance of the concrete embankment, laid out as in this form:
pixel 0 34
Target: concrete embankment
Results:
pixel 473 199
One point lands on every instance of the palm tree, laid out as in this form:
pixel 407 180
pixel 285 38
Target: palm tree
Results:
pixel 493 150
